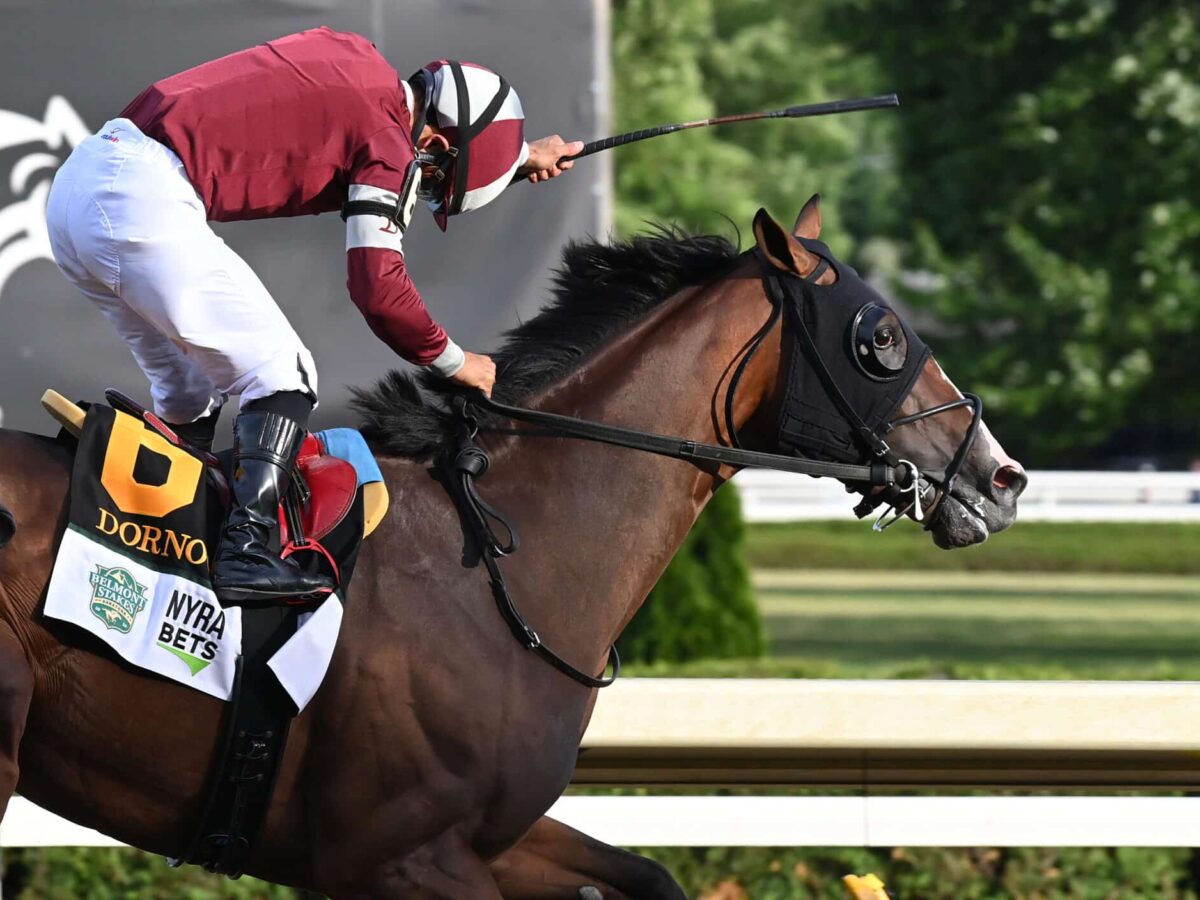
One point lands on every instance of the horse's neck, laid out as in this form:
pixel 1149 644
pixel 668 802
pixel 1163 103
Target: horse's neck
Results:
pixel 612 518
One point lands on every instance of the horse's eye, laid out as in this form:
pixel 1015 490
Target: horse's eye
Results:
pixel 878 346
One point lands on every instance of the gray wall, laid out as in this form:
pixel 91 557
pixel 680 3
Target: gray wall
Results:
pixel 479 278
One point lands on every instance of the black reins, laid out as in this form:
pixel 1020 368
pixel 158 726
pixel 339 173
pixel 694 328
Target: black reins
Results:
pixel 894 476
pixel 468 463
pixel 876 473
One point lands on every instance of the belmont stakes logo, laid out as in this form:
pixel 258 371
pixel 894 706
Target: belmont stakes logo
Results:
pixel 117 597
pixel 23 236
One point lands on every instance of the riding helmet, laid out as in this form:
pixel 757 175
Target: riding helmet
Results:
pixel 481 117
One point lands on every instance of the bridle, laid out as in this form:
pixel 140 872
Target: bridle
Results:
pixel 898 497
pixel 900 486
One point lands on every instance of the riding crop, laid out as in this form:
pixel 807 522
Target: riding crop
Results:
pixel 828 108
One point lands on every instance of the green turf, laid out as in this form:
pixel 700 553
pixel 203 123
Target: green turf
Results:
pixel 873 623
pixel 904 623
pixel 1098 547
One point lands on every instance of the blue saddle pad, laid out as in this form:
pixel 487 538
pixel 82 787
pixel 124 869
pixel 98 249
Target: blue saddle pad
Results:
pixel 350 445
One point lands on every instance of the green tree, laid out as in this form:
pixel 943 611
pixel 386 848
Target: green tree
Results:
pixel 703 606
pixel 1048 154
pixel 679 60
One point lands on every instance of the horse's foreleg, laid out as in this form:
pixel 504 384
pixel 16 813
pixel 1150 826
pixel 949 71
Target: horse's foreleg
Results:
pixel 16 689
pixel 554 862
pixel 444 869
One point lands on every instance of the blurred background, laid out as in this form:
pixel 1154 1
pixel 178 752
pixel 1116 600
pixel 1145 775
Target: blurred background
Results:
pixel 1034 206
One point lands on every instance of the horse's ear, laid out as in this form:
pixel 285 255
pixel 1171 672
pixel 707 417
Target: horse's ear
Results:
pixel 808 223
pixel 780 248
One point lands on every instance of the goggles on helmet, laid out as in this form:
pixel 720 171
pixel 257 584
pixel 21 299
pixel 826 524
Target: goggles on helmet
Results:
pixel 445 176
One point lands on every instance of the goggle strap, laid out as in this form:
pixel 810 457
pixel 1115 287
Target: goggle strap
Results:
pixel 464 137
pixel 468 130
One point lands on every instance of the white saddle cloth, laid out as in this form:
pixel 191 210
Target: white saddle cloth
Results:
pixel 175 627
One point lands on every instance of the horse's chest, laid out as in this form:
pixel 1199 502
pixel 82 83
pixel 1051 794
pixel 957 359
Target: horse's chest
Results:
pixel 531 772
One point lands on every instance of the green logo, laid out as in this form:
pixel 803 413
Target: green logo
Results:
pixel 195 664
pixel 117 597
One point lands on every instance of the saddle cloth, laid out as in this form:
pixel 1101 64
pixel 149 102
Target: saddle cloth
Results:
pixel 133 565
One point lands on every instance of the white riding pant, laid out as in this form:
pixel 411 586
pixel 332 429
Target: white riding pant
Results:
pixel 129 230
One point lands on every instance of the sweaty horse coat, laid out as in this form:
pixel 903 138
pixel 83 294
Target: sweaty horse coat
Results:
pixel 425 764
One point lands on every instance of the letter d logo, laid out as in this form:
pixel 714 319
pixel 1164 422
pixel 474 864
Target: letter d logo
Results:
pixel 133 497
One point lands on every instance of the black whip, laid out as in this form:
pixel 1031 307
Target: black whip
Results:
pixel 828 108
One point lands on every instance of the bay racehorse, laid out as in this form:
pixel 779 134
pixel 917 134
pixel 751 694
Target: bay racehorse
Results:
pixel 425 764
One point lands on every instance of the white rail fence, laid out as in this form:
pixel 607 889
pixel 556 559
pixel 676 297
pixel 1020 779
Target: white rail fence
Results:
pixel 1050 497
pixel 871 737
pixel 804 822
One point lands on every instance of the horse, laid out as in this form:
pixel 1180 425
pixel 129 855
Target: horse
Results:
pixel 424 766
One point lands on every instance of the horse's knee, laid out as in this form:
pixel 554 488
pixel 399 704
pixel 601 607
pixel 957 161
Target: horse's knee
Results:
pixel 555 860
pixel 444 869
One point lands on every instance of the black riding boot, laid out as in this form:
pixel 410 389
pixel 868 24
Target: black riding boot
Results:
pixel 200 433
pixel 249 571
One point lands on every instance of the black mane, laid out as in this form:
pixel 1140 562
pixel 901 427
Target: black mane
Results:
pixel 599 291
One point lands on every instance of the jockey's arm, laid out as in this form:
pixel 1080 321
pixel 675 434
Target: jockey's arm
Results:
pixel 378 281
pixel 381 288
pixel 545 159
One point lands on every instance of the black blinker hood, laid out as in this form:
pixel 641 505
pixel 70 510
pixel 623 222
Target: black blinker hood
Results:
pixel 832 409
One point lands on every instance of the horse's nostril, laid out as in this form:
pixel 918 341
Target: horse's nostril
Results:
pixel 1010 478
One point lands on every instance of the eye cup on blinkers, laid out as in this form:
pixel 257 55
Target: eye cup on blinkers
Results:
pixel 878 343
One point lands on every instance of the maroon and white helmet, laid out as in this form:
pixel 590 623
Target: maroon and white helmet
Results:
pixel 481 117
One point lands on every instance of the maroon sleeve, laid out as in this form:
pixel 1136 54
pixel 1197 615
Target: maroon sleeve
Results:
pixel 383 159
pixel 378 281
pixel 387 298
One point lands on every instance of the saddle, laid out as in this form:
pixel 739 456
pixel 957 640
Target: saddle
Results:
pixel 325 483
pixel 173 498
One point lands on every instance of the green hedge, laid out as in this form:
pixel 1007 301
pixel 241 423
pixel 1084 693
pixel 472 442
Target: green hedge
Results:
pixel 703 606
pixel 738 873
pixel 117 873
pixel 761 873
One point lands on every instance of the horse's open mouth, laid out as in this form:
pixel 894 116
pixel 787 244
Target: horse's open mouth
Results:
pixel 958 523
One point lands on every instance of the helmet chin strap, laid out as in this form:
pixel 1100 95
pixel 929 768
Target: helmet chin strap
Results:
pixel 431 188
pixel 432 184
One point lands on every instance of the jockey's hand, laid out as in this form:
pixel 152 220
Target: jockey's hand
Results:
pixel 477 372
pixel 546 158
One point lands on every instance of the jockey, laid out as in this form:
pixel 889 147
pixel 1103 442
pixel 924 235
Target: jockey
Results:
pixel 309 123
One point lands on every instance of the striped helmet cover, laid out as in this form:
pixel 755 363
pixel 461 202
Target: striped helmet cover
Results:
pixel 495 153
